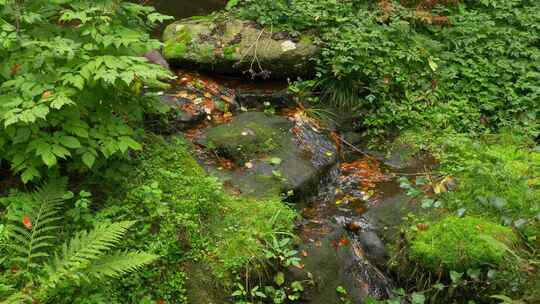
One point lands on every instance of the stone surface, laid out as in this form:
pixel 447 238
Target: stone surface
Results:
pixel 271 154
pixel 193 99
pixel 223 44
pixel 340 259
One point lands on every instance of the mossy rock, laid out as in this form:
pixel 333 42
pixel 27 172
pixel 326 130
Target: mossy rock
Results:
pixel 225 44
pixel 462 243
pixel 279 159
pixel 249 135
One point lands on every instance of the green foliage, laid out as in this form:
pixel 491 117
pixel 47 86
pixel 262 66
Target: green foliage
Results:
pixel 204 236
pixel 471 66
pixel 462 243
pixel 41 267
pixel 496 175
pixel 278 290
pixel 71 80
pixel 493 177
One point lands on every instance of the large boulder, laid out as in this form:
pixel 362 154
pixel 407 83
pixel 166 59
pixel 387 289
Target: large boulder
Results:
pixel 224 44
pixel 270 154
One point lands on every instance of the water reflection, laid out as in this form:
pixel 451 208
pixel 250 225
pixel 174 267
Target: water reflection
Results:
pixel 187 8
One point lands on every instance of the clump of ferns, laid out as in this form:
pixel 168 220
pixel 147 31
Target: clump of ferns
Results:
pixel 41 264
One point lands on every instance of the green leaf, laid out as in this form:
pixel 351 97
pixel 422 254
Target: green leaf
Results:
pixel 130 142
pixel 70 142
pixel 60 151
pixel 29 174
pixel 418 298
pixel 61 100
pixel 456 276
pixel 48 158
pixel 231 4
pixel 279 278
pixel 341 290
pixel 275 161
pixel 88 159
pixel 474 273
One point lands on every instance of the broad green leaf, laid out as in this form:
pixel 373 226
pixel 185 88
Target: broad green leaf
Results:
pixel 88 159
pixel 48 158
pixel 69 142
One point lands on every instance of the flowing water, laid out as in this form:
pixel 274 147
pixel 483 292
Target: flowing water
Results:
pixel 187 8
pixel 353 210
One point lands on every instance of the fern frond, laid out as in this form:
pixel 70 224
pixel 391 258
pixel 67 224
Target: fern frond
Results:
pixel 119 263
pixel 83 248
pixel 17 298
pixel 30 242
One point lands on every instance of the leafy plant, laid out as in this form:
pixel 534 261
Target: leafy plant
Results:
pixel 71 79
pixel 41 267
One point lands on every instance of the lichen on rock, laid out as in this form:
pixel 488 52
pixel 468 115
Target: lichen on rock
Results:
pixel 224 44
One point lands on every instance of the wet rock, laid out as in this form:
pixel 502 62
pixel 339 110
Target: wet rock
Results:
pixel 353 138
pixel 228 45
pixel 271 154
pixel 339 259
pixel 193 99
pixel 365 233
pixel 254 98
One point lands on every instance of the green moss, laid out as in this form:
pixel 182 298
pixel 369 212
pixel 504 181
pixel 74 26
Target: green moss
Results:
pixel 229 52
pixel 205 53
pixel 174 50
pixel 185 216
pixel 251 134
pixel 462 243
pixel 307 39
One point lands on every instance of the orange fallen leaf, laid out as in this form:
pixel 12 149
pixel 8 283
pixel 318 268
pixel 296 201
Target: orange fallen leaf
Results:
pixel 46 94
pixel 15 69
pixel 422 227
pixel 27 222
pixel 343 242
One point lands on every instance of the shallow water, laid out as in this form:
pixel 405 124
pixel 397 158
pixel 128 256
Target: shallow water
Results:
pixel 187 8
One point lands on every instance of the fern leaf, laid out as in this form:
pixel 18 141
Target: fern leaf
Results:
pixel 119 263
pixel 84 248
pixel 17 298
pixel 31 242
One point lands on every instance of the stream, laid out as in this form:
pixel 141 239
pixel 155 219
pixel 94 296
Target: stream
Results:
pixel 348 214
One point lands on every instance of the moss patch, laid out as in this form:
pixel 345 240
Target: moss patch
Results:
pixel 462 243
pixel 185 216
pixel 249 135
pixel 229 52
pixel 174 49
